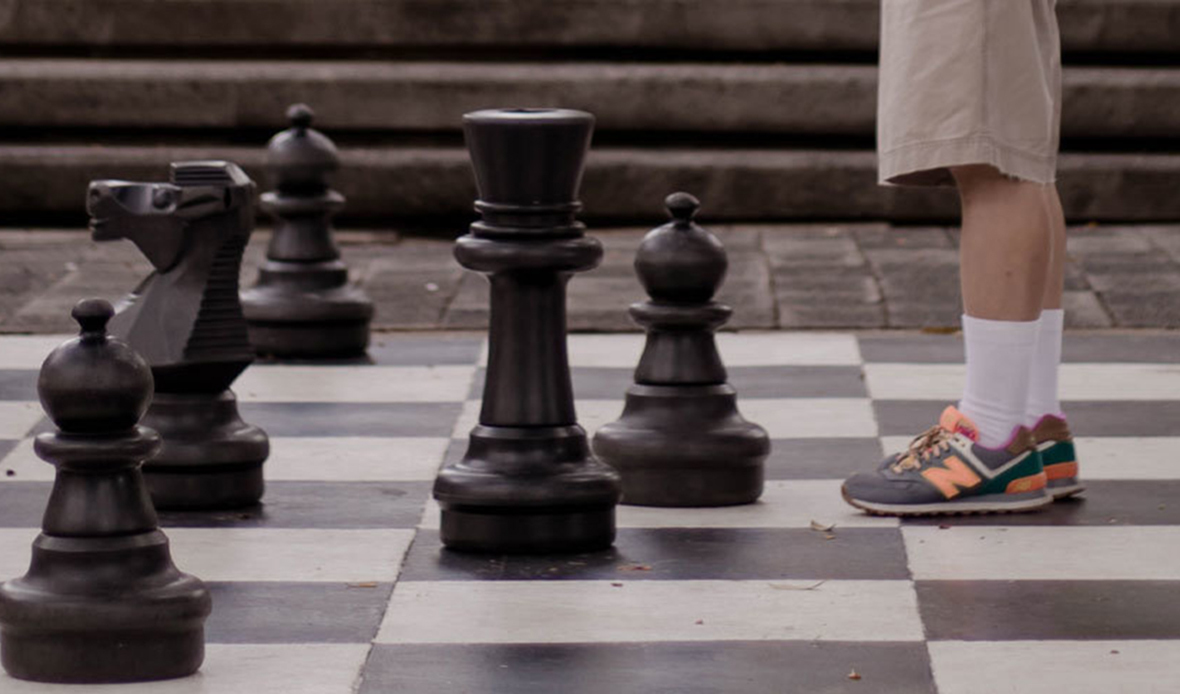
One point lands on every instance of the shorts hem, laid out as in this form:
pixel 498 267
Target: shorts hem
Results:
pixel 928 163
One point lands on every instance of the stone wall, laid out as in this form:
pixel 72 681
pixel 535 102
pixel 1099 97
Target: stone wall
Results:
pixel 764 108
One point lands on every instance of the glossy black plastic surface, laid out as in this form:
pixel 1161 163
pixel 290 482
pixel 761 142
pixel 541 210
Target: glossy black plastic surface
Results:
pixel 528 482
pixel 302 304
pixel 681 440
pixel 102 600
pixel 186 320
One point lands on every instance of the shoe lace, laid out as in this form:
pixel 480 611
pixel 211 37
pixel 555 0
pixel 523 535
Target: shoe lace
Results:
pixel 930 442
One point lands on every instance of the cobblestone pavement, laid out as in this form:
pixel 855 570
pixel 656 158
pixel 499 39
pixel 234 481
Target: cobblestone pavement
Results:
pixel 780 276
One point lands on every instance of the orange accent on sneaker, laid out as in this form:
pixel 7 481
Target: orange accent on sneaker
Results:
pixel 1059 471
pixel 951 479
pixel 956 422
pixel 1027 484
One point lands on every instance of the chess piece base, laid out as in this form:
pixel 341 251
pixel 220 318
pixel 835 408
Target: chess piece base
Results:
pixel 210 459
pixel 102 610
pixel 527 490
pixel 684 446
pixel 307 310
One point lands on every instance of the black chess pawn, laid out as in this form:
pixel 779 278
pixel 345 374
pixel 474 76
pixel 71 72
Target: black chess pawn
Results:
pixel 303 304
pixel 186 321
pixel 528 482
pixel 102 601
pixel 681 440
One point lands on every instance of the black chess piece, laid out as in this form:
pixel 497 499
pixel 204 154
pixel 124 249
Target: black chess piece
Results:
pixel 681 440
pixel 185 319
pixel 303 304
pixel 102 601
pixel 528 482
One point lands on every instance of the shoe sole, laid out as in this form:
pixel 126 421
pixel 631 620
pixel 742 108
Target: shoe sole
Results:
pixel 1065 491
pixel 992 503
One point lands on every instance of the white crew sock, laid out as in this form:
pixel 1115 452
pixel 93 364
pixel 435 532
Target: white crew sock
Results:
pixel 1042 380
pixel 999 360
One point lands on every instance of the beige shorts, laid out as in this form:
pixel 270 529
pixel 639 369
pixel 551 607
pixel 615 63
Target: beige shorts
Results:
pixel 968 82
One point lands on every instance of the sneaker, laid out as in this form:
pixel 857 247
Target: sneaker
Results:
pixel 946 472
pixel 1055 444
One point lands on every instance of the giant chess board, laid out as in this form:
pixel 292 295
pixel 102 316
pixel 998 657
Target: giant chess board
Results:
pixel 338 582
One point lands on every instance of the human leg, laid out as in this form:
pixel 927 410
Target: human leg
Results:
pixel 1043 415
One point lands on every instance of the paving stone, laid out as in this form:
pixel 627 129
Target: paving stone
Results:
pixel 839 249
pixel 1106 239
pixel 926 314
pixel 1127 263
pixel 1154 310
pixel 1166 238
pixel 411 300
pixel 830 315
pixel 1084 310
pixel 1075 278
pixel 903 237
pixel 1149 282
pixel 857 284
pixel 791 276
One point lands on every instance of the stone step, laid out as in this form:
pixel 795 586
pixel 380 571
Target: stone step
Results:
pixel 1134 26
pixel 621 184
pixel 432 96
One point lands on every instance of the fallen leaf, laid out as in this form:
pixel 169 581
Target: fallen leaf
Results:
pixel 944 526
pixel 635 567
pixel 699 621
pixel 854 675
pixel 829 536
pixel 616 585
pixel 1114 652
pixel 816 525
pixel 363 584
pixel 10 473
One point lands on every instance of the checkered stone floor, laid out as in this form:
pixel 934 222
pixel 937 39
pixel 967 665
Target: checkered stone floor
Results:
pixel 338 582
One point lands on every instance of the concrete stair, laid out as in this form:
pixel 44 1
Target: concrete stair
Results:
pixel 765 108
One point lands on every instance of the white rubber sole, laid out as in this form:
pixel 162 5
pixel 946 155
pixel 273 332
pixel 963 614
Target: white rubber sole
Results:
pixel 991 503
pixel 1066 491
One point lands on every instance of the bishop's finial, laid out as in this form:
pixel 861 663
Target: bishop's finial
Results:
pixel 682 207
pixel 300 116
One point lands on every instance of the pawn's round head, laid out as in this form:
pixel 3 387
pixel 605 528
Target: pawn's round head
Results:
pixel 94 383
pixel 680 262
pixel 300 115
pixel 682 207
pixel 301 158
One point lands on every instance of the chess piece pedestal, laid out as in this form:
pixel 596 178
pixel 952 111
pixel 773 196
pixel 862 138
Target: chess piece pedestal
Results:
pixel 102 601
pixel 528 482
pixel 303 304
pixel 210 458
pixel 681 440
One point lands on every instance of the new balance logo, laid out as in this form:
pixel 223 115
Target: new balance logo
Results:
pixel 953 478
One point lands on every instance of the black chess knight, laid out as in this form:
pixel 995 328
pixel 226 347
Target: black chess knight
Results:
pixel 186 321
pixel 102 600
pixel 303 304
pixel 681 440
